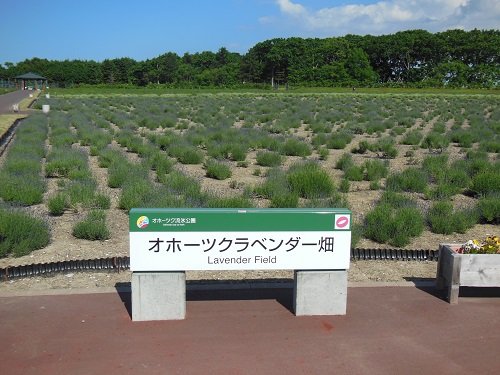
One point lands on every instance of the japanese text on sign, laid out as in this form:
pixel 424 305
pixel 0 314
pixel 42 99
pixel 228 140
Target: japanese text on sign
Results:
pixel 238 244
pixel 240 250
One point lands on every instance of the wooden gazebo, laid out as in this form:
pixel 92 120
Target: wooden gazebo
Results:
pixel 30 80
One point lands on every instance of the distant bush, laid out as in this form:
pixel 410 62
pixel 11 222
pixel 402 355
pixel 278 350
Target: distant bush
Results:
pixel 344 162
pixel 435 141
pixel 161 196
pixel 486 182
pixel 397 200
pixel 354 173
pixel 457 177
pixel 489 209
pixel 190 156
pixel 435 166
pixel 396 226
pixel 390 152
pixel 80 174
pixel 308 180
pixel 186 154
pixel 108 156
pixel 413 137
pixel 411 180
pixel 93 227
pixel 82 192
pixel 323 153
pixel 57 204
pixel 336 199
pixel 275 184
pixel 444 220
pixel 442 191
pixel 344 185
pixel 122 171
pixel 339 140
pixel 374 185
pixel 229 202
pixel 180 183
pixel 476 162
pixel 164 141
pixel 101 201
pixel 294 147
pixel 24 164
pixel 61 162
pixel 362 148
pixel 385 146
pixel 356 234
pixel 185 188
pixel 492 146
pixel 218 170
pixel 118 173
pixel 439 218
pixel 134 193
pixel 20 176
pixel 21 233
pixel 269 159
pixel 238 152
pixel 23 189
pixel 218 150
pixel 160 163
pixel 449 180
pixel 288 200
pixel 464 138
pixel 375 170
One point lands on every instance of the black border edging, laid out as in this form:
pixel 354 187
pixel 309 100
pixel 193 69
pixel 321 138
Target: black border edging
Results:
pixel 6 137
pixel 123 263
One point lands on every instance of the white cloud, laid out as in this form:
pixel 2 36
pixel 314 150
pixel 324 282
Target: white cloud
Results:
pixel 288 7
pixel 394 15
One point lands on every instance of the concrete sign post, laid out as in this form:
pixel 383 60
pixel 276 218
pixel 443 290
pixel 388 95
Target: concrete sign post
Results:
pixel 166 242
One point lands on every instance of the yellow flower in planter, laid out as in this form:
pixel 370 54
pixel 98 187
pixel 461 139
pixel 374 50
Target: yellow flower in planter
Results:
pixel 491 245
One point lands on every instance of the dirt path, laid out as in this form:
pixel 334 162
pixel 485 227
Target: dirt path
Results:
pixel 116 219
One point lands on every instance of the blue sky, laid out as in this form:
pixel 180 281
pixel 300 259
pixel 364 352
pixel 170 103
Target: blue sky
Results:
pixel 141 29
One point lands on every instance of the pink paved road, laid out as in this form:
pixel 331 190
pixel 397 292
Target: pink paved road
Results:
pixel 14 97
pixel 387 330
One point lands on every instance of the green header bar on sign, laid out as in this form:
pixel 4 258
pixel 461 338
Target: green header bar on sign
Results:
pixel 238 220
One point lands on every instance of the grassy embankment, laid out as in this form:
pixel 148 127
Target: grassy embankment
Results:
pixel 94 90
pixel 6 90
pixel 7 120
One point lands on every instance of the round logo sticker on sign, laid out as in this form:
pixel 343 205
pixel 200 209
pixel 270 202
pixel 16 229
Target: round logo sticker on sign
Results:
pixel 341 222
pixel 142 222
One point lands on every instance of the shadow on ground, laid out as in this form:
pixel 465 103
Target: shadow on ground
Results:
pixel 428 285
pixel 280 290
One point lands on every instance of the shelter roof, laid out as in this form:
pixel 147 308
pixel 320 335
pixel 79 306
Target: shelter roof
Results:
pixel 30 75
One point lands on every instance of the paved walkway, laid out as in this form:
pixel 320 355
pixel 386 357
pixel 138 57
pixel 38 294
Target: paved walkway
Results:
pixel 387 330
pixel 14 97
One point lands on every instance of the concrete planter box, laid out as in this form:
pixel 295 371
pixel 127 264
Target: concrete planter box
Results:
pixel 456 270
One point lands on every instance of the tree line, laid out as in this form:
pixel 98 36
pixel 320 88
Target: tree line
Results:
pixel 453 58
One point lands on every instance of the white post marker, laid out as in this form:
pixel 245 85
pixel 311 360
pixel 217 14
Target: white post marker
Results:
pixel 172 241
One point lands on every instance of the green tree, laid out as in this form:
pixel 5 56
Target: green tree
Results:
pixel 453 74
pixel 166 65
pixel 358 67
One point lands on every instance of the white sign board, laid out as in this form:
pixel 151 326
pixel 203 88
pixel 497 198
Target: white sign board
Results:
pixel 170 240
